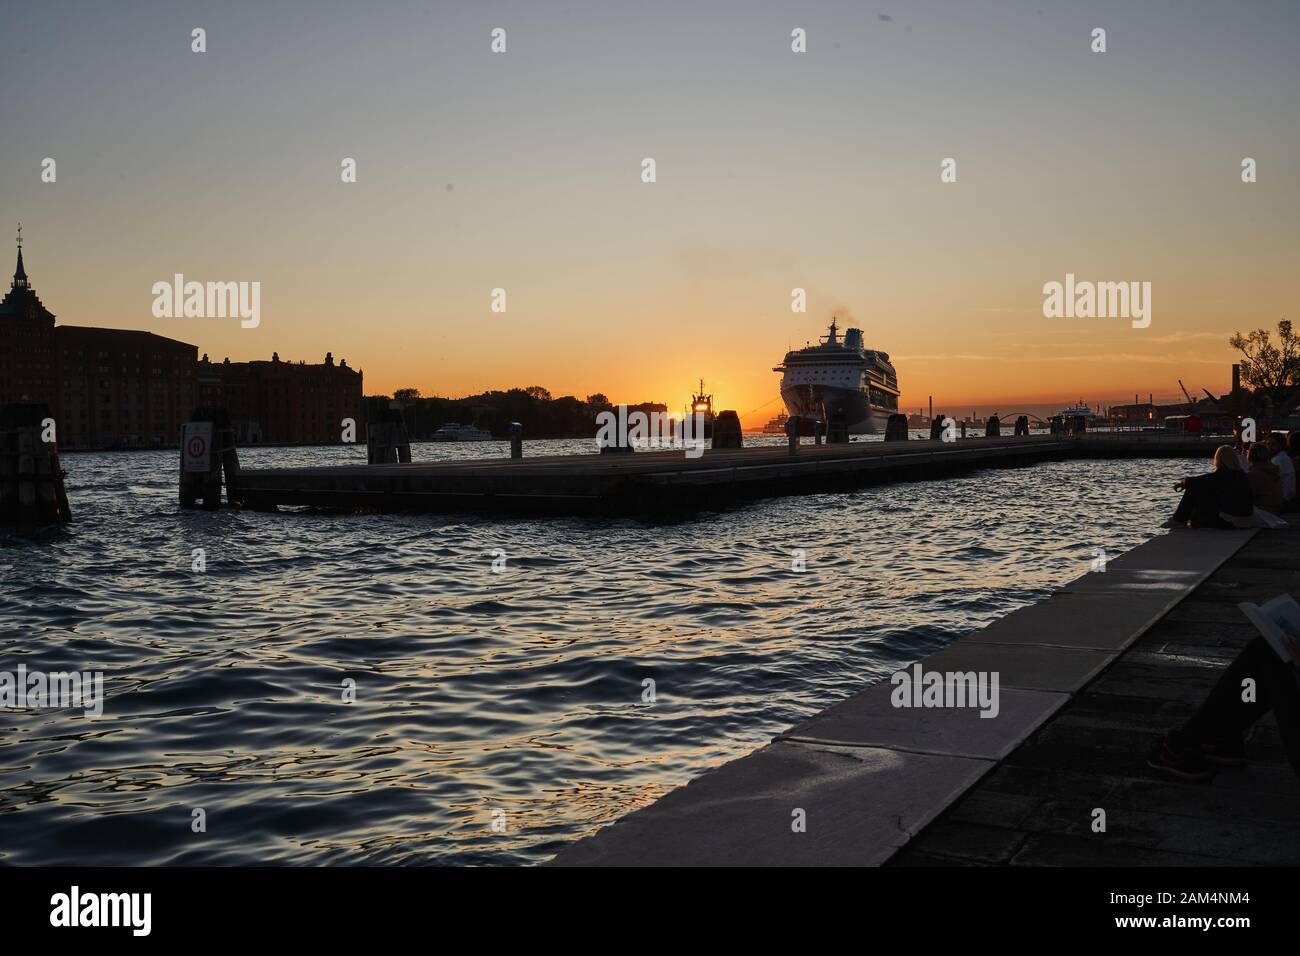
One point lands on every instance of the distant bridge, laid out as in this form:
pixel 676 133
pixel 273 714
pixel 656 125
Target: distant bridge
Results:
pixel 1012 416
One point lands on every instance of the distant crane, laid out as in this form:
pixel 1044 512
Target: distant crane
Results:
pixel 1186 394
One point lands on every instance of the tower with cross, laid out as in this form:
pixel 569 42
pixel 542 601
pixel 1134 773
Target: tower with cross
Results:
pixel 20 274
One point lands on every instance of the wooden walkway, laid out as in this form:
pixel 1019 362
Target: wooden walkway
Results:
pixel 1035 808
pixel 668 480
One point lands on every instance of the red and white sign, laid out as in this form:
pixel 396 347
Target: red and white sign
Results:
pixel 196 446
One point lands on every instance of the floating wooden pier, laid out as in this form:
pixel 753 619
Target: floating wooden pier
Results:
pixel 656 481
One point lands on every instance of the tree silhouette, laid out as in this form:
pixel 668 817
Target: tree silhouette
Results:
pixel 1273 369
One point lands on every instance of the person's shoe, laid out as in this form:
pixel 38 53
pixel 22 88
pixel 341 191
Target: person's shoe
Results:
pixel 1172 524
pixel 1189 765
pixel 1225 753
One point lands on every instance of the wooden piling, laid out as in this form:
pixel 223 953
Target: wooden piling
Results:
pixel 726 430
pixel 31 480
pixel 386 440
pixel 622 443
pixel 208 451
pixel 792 432
pixel 838 428
pixel 896 428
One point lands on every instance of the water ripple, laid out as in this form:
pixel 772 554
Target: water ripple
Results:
pixel 518 693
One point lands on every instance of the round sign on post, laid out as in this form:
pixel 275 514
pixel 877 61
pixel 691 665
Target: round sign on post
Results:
pixel 197 445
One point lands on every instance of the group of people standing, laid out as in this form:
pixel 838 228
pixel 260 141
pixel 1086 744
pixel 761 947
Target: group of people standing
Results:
pixel 1251 485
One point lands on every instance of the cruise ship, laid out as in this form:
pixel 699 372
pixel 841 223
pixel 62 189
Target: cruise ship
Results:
pixel 841 375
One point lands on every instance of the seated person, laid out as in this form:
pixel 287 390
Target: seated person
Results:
pixel 1216 733
pixel 1239 446
pixel 1265 480
pixel 1277 445
pixel 1226 490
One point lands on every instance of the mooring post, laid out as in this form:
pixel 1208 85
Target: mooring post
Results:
pixel 31 480
pixel 993 428
pixel 963 428
pixel 818 426
pixel 516 440
pixel 838 429
pixel 896 428
pixel 726 430
pixel 792 432
pixel 204 441
pixel 378 443
pixel 229 456
pixel 1022 426
pixel 386 438
pixel 622 443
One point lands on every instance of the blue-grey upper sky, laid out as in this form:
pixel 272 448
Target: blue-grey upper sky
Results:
pixel 775 170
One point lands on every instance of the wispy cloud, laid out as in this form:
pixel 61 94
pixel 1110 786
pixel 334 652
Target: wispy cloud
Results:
pixel 1037 359
pixel 1169 338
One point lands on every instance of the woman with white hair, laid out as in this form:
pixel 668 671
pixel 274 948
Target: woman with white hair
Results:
pixel 1210 500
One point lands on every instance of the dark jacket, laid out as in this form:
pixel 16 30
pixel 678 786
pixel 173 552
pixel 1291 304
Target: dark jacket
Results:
pixel 1266 485
pixel 1228 489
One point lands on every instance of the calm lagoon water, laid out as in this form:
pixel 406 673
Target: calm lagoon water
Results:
pixel 476 691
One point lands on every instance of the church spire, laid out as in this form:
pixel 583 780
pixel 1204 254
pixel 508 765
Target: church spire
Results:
pixel 20 274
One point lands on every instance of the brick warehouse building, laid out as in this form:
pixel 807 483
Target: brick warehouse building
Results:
pixel 121 388
pixel 277 401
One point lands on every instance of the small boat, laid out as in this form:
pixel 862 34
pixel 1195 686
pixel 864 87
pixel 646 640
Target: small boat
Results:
pixel 454 432
pixel 777 425
pixel 1081 410
pixel 702 405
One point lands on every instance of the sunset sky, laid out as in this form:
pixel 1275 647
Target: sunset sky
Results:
pixel 775 170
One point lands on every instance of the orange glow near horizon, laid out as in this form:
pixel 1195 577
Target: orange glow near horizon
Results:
pixel 775 172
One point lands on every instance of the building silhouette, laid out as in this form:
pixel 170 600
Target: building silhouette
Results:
pixel 276 401
pixel 28 369
pixel 122 388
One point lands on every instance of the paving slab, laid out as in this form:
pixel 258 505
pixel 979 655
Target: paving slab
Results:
pixel 870 719
pixel 860 805
pixel 1174 562
pixel 1092 753
pixel 1024 666
pixel 1198 550
pixel 1101 620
